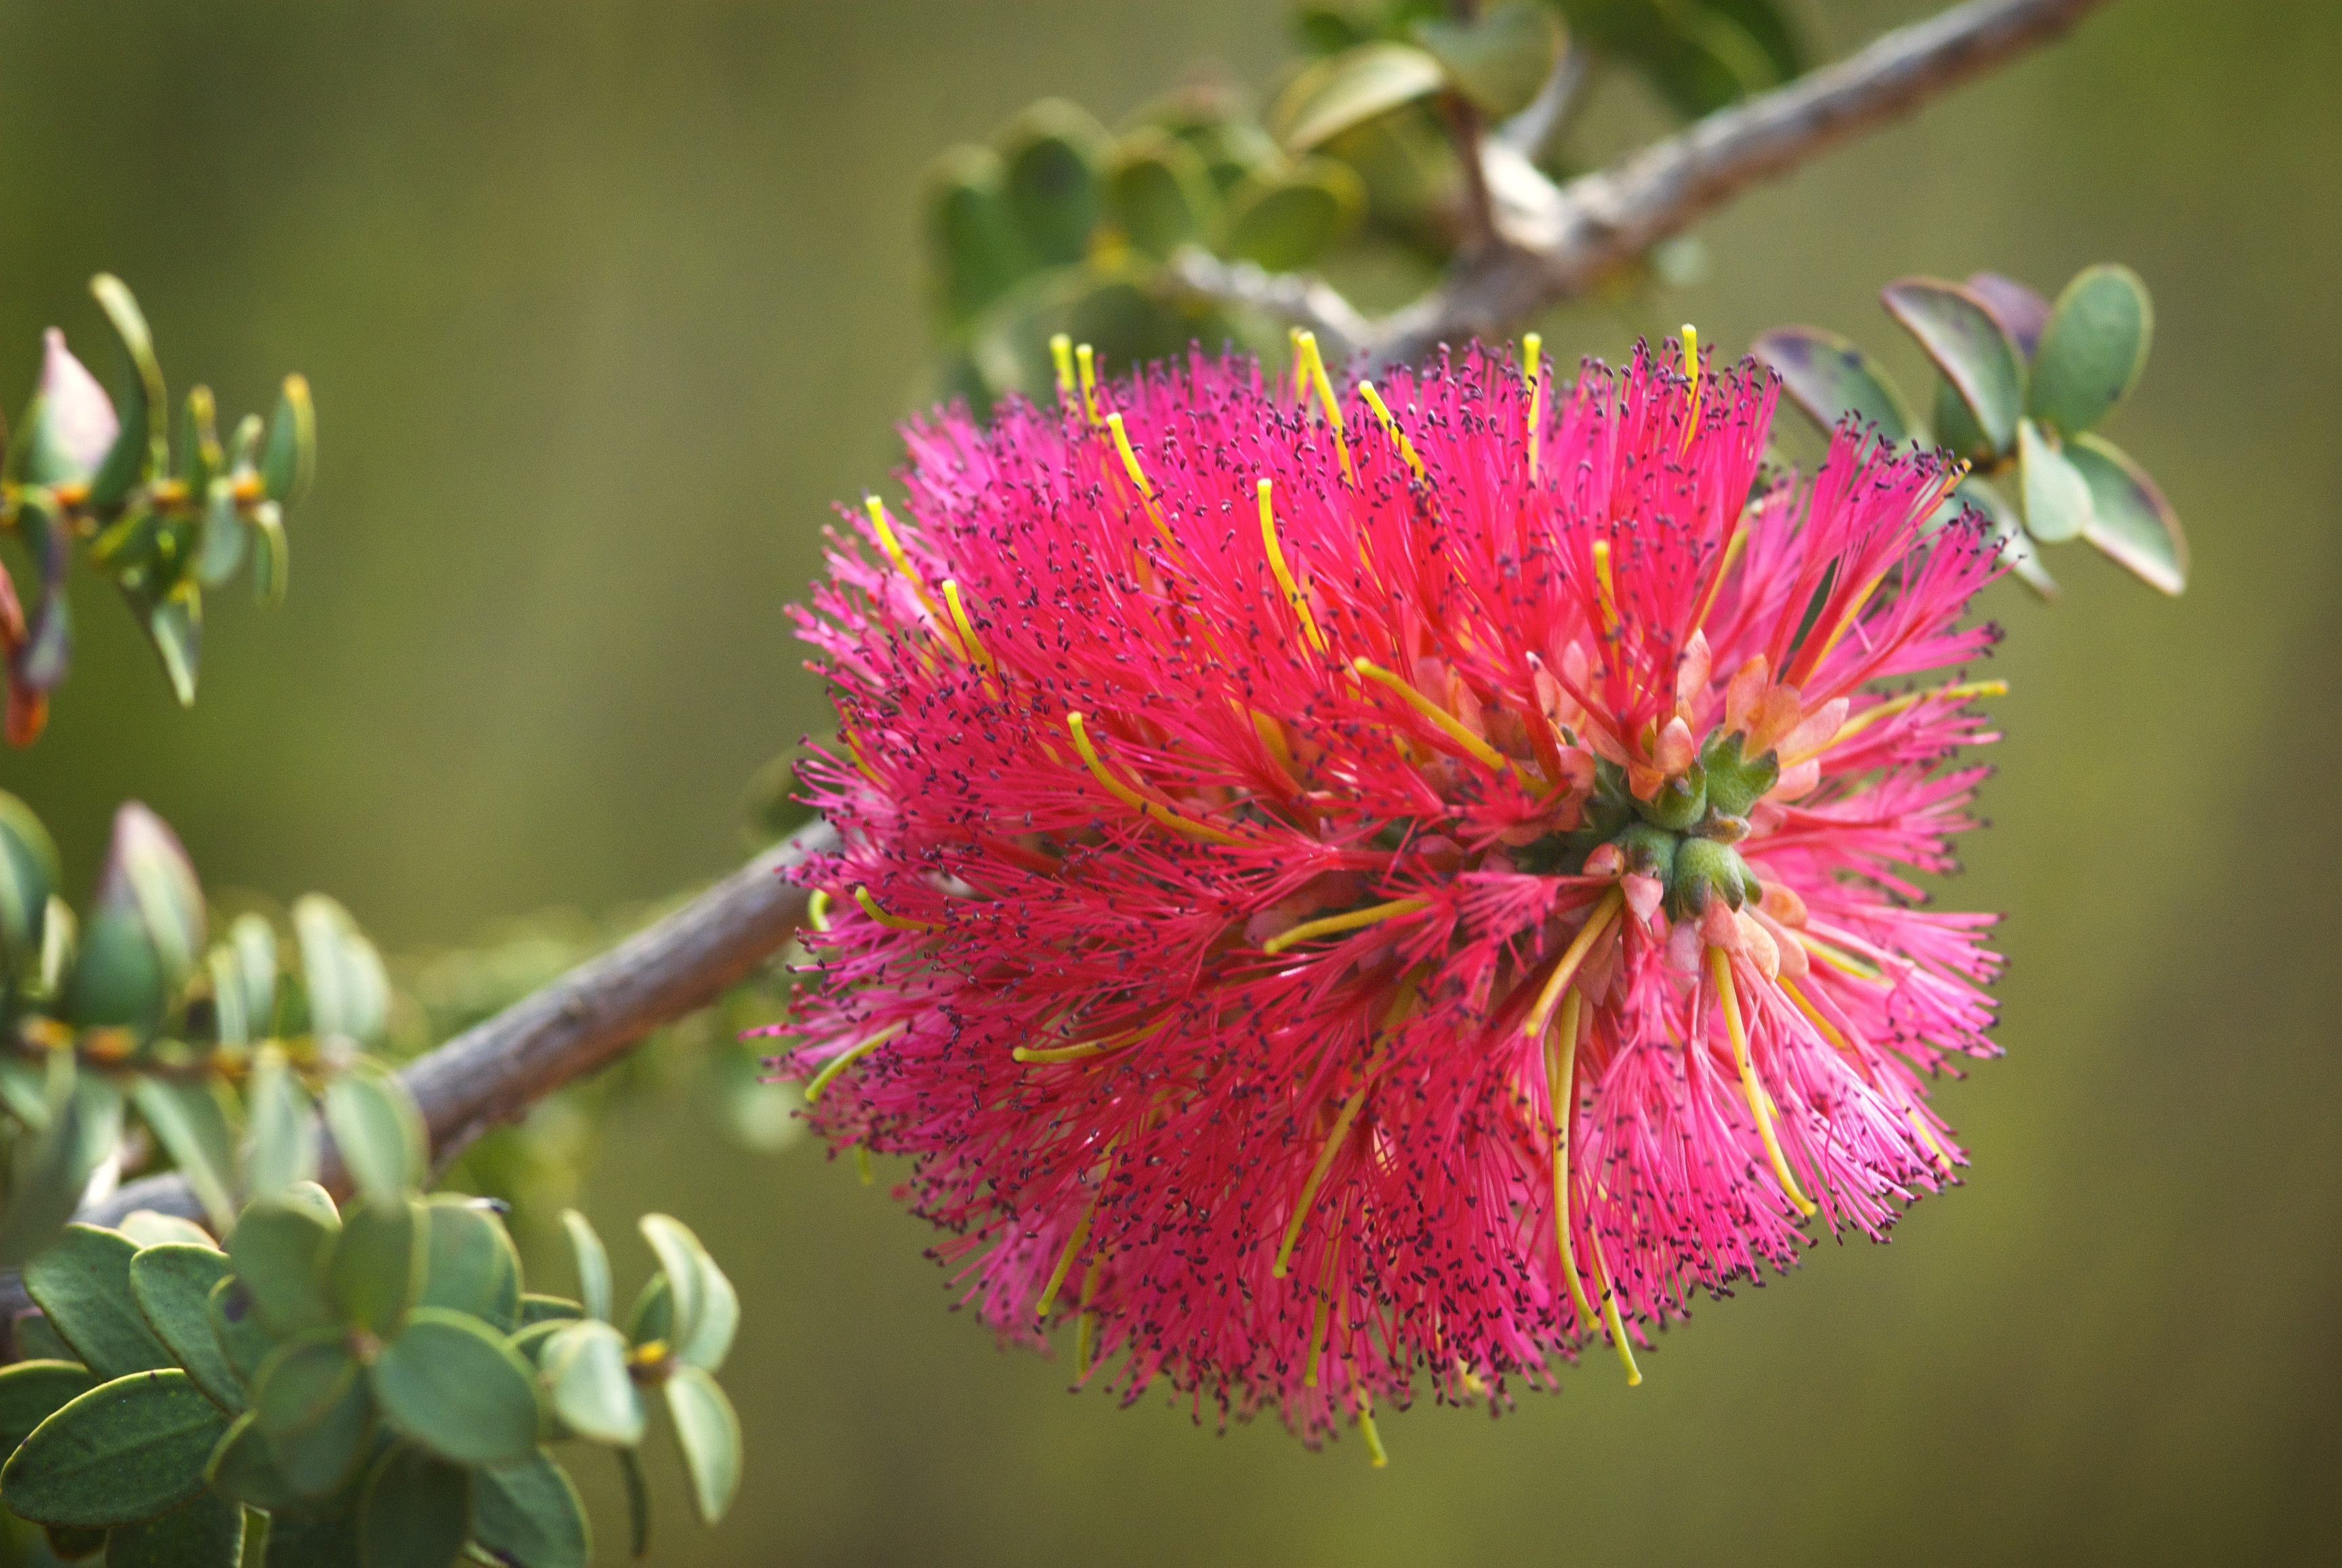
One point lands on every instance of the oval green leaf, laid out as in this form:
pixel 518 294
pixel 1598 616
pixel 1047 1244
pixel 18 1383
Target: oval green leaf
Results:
pixel 452 1383
pixel 1498 61
pixel 282 1145
pixel 2130 521
pixel 976 249
pixel 2093 349
pixel 2055 497
pixel 531 1515
pixel 592 1263
pixel 289 464
pixel 678 1253
pixel 331 1542
pixel 186 1119
pixel 28 875
pixel 280 1250
pixel 127 1451
pixel 1159 195
pixel 375 1271
pixel 83 1284
pixel 349 994
pixel 1965 339
pixel 207 1532
pixel 472 1267
pixel 535 1309
pixel 1285 222
pixel 173 1284
pixel 588 1385
pixel 2019 553
pixel 1830 378
pixel 708 1432
pixel 243 1466
pixel 303 1380
pixel 236 1327
pixel 322 1459
pixel 33 1391
pixel 1053 157
pixel 1351 88
pixel 416 1513
pixel 153 1228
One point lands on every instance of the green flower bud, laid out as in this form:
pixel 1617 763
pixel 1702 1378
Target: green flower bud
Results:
pixel 1704 869
pixel 1680 802
pixel 1735 783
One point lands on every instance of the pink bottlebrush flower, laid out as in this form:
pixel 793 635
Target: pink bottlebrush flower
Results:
pixel 1256 827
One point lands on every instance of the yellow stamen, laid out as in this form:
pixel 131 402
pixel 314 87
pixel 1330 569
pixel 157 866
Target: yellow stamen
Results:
pixel 1300 367
pixel 1603 588
pixel 1566 971
pixel 1064 1262
pixel 894 549
pixel 870 906
pixel 1845 623
pixel 1732 548
pixel 1843 962
pixel 1561 1088
pixel 1085 1325
pixel 1326 398
pixel 1402 1004
pixel 1481 751
pixel 1691 369
pixel 1086 1048
pixel 1390 426
pixel 1375 1454
pixel 1088 359
pixel 1963 692
pixel 1610 1318
pixel 861 763
pixel 861 1164
pixel 1138 478
pixel 1532 350
pixel 1719 964
pixel 1061 350
pixel 1830 1034
pixel 846 1058
pixel 1373 915
pixel 973 647
pixel 1285 579
pixel 1078 727
pixel 818 909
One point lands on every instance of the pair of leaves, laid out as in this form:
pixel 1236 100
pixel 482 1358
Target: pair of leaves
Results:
pixel 372 1118
pixel 1496 63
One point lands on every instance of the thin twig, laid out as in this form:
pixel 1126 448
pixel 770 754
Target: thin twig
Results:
pixel 1295 298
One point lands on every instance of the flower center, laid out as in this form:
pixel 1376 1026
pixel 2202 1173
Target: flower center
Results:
pixel 1681 837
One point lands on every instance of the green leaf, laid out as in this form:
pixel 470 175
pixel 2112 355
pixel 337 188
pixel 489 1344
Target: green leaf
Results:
pixel 2022 314
pixel 2017 551
pixel 186 1119
pixel 207 1532
pixel 273 563
pixel 320 1459
pixel 1159 193
pixel 377 1269
pixel 173 1285
pixel 708 1432
pixel 1965 339
pixel 236 1328
pixel 72 1545
pixel 530 1342
pixel 1957 429
pixel 243 982
pixel 703 1337
pixel 592 1263
pixel 1286 222
pixel 1500 60
pixel 174 625
pixel 416 1513
pixel 280 1251
pixel 587 1382
pixel 678 1251
pixel 83 1283
pixel 50 1171
pixel 126 1452
pixel 652 1317
pixel 2055 497
pixel 638 1499
pixel 1351 88
pixel 117 981
pixel 145 407
pixel 33 1391
pixel 531 1514
pixel 224 536
pixel 452 1383
pixel 2130 521
pixel 379 1132
pixel 2093 349
pixel 1053 158
pixel 35 1340
pixel 282 1148
pixel 1830 378
pixel 328 1542
pixel 535 1309
pixel 301 1380
pixel 28 876
pixel 290 462
pixel 978 255
pixel 349 994
pixel 243 1466
pixel 472 1267
pixel 153 1228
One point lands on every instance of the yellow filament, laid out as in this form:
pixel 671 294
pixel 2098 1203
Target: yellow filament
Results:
pixel 1061 350
pixel 818 909
pixel 1960 692
pixel 1319 1318
pixel 861 1164
pixel 1138 478
pixel 1830 1034
pixel 1610 1319
pixel 1843 962
pixel 1604 589
pixel 848 1057
pixel 1482 751
pixel 1285 579
pixel 1691 369
pixel 1064 1262
pixel 1375 1454
pixel 1316 368
pixel 1845 622
pixel 861 763
pixel 1084 1048
pixel 1085 1325
pixel 974 649
pixel 1732 548
pixel 1078 727
pixel 1719 964
pixel 1567 970
pixel 1374 915
pixel 1390 426
pixel 894 548
pixel 1334 1141
pixel 1532 350
pixel 871 907
pixel 1088 359
pixel 1561 1088
pixel 1300 367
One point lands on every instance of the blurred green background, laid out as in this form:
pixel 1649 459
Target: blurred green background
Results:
pixel 605 304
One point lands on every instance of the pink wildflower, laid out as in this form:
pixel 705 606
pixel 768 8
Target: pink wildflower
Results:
pixel 1255 828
